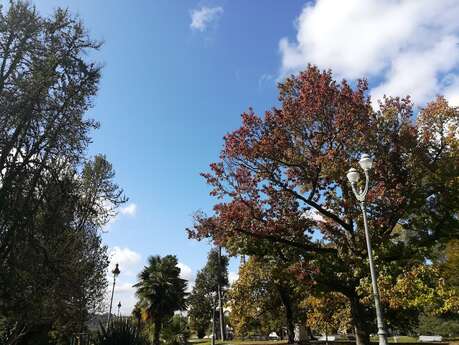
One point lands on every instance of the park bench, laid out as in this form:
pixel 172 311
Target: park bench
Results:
pixel 430 338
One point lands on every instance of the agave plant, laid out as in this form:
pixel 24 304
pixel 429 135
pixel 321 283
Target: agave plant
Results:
pixel 176 331
pixel 120 332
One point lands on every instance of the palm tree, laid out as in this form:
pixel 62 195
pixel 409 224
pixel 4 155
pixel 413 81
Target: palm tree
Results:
pixel 161 291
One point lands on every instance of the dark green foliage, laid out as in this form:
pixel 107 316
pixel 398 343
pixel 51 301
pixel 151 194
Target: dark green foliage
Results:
pixel 53 199
pixel 176 331
pixel 447 326
pixel 120 332
pixel 161 291
pixel 201 300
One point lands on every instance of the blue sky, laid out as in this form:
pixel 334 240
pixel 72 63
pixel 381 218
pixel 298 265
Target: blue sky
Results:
pixel 169 93
pixel 178 74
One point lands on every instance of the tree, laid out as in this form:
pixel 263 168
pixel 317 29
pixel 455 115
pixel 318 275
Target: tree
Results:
pixel 265 298
pixel 53 198
pixel 201 304
pixel 328 313
pixel 161 291
pixel 202 300
pixel 293 162
pixel 449 263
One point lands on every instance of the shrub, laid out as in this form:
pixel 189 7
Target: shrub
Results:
pixel 176 331
pixel 120 332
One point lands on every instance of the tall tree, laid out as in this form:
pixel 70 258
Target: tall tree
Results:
pixel 293 161
pixel 53 199
pixel 266 297
pixel 161 291
pixel 203 298
pixel 328 313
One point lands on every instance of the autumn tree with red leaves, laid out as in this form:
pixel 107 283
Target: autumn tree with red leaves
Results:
pixel 281 184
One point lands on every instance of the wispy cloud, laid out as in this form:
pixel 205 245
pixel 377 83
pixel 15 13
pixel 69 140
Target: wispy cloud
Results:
pixel 404 47
pixel 130 209
pixel 204 16
pixel 265 78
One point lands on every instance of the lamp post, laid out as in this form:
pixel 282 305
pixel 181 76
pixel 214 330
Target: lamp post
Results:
pixel 115 272
pixel 214 304
pixel 353 176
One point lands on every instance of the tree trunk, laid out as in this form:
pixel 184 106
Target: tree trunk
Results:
pixel 219 291
pixel 213 326
pixel 157 332
pixel 280 333
pixel 359 320
pixel 300 334
pixel 285 298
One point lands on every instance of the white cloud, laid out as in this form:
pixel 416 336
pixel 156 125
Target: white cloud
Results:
pixel 125 288
pixel 203 17
pixel 126 258
pixel 406 46
pixel 124 293
pixel 232 277
pixel 129 210
pixel 130 264
pixel 313 214
pixel 452 90
pixel 187 273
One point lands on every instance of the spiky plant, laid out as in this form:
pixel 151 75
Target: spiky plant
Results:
pixel 176 331
pixel 120 332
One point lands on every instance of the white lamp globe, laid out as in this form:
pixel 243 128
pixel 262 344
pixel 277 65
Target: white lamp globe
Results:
pixel 365 162
pixel 353 175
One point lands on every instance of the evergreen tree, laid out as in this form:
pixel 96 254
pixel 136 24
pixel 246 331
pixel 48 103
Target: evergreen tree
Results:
pixel 53 199
pixel 204 299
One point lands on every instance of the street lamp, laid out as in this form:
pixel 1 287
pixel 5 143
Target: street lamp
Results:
pixel 353 176
pixel 214 305
pixel 115 272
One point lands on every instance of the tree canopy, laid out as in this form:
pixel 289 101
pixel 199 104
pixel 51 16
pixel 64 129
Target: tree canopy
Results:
pixel 282 178
pixel 161 291
pixel 266 298
pixel 203 299
pixel 54 199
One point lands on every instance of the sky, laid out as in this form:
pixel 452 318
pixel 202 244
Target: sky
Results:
pixel 177 75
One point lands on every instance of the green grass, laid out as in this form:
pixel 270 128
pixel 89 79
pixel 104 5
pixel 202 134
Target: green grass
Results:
pixel 238 342
pixel 400 339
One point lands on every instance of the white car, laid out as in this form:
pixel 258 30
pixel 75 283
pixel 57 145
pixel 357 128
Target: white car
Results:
pixel 337 337
pixel 273 336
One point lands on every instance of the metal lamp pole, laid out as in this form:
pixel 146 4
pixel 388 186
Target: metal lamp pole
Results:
pixel 115 272
pixel 213 319
pixel 353 176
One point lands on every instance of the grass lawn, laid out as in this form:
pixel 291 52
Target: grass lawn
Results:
pixel 239 342
pixel 400 339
